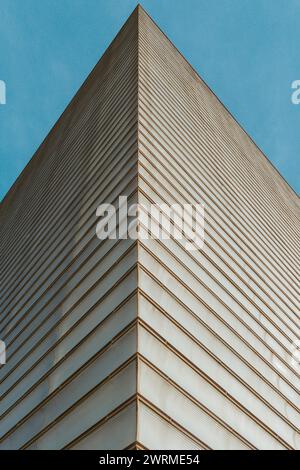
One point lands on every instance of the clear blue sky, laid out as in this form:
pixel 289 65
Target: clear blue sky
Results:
pixel 248 51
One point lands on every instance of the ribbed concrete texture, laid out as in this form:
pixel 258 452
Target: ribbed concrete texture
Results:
pixel 142 343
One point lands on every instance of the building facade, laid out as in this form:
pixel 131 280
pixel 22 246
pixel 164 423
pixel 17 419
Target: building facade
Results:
pixel 141 343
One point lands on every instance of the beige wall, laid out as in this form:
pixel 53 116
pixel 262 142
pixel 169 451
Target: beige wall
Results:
pixel 217 324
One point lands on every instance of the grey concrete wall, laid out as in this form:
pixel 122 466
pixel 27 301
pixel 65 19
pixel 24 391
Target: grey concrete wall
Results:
pixel 125 343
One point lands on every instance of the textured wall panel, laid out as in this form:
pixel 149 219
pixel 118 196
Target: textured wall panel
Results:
pixel 68 300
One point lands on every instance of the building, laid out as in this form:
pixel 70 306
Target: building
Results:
pixel 130 343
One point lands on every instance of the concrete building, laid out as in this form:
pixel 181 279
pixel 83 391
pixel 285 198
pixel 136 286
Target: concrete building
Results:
pixel 141 343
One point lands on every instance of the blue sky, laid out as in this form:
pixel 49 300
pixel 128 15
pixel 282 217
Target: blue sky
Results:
pixel 248 51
